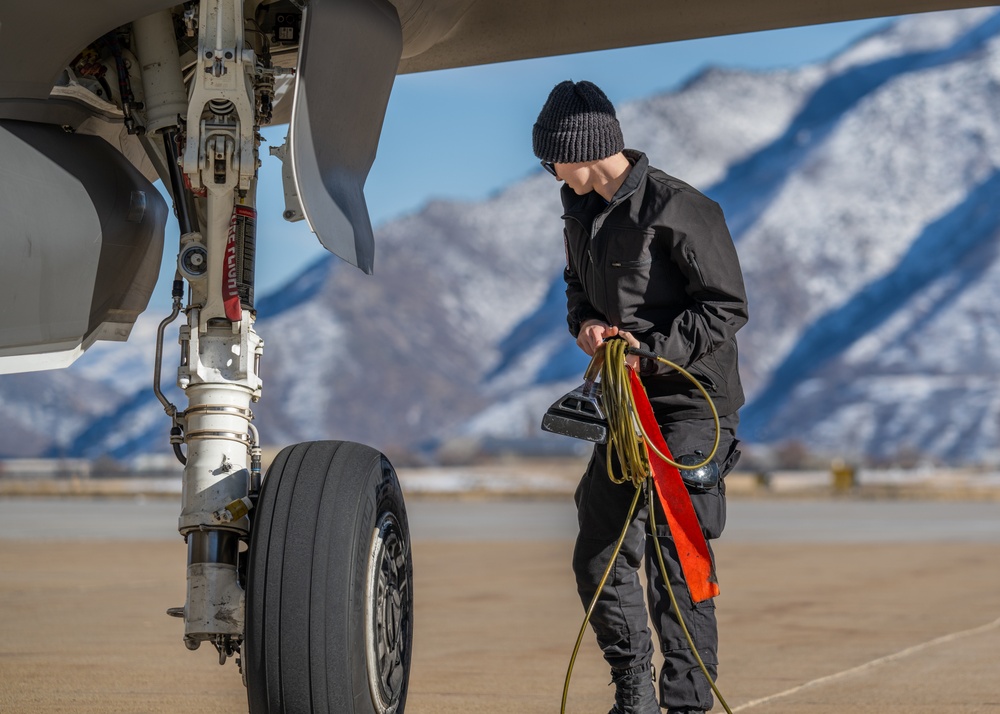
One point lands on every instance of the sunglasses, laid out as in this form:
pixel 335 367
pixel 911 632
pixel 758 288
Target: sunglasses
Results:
pixel 550 167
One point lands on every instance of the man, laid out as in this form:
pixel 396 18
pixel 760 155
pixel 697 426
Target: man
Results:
pixel 648 259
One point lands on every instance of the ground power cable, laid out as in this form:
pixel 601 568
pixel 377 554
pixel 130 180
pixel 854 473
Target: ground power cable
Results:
pixel 624 431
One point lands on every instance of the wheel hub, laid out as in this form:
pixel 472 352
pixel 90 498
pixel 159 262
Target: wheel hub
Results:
pixel 387 614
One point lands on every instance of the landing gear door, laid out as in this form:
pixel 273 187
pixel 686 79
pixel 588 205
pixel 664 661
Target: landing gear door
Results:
pixel 82 235
pixel 347 63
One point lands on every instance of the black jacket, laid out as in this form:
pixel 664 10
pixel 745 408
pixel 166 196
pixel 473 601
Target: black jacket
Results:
pixel 658 261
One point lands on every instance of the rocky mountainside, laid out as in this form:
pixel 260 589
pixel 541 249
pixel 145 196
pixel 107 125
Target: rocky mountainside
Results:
pixel 861 193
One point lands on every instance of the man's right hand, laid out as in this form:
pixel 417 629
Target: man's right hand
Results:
pixel 591 336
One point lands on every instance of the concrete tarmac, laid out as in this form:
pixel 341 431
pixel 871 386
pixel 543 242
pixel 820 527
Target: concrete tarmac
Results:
pixel 827 606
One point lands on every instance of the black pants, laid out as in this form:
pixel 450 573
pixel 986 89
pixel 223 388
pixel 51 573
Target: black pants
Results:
pixel 620 616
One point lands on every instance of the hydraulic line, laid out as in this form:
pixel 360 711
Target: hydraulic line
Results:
pixel 169 407
pixel 178 294
pixel 631 443
pixel 182 197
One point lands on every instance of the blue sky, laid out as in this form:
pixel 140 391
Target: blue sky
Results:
pixel 465 133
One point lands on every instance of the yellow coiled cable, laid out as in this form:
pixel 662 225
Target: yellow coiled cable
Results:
pixel 631 443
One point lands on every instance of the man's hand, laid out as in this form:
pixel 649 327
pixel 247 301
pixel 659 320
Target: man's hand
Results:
pixel 631 360
pixel 591 336
pixel 593 333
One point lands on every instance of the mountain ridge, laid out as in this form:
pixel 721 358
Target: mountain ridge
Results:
pixel 858 190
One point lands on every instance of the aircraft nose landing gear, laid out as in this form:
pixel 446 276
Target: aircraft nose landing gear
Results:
pixel 307 577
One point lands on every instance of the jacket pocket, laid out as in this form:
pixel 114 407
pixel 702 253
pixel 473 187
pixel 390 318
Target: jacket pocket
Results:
pixel 627 247
pixel 629 267
pixel 708 371
pixel 704 379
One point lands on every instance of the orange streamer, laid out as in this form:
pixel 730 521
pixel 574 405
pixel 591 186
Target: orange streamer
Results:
pixel 692 549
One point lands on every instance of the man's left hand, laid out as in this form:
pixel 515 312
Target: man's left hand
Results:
pixel 631 360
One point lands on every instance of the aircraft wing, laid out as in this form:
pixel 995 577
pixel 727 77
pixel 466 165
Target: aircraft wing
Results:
pixel 483 31
pixel 40 38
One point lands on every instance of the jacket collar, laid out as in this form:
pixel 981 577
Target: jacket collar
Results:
pixel 640 165
pixel 574 205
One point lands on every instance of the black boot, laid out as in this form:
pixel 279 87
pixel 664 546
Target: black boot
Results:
pixel 634 692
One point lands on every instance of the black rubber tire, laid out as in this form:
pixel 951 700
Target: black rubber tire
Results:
pixel 329 528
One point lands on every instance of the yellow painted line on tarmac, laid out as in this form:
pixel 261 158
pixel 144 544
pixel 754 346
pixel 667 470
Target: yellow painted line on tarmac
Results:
pixel 944 639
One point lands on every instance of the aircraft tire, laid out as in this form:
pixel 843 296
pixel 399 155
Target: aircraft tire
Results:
pixel 329 609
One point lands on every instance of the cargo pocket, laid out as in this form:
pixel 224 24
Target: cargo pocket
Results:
pixel 710 507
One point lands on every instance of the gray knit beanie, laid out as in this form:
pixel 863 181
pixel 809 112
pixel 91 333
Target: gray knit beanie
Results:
pixel 577 124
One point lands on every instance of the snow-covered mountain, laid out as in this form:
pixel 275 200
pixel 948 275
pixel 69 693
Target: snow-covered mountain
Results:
pixel 862 193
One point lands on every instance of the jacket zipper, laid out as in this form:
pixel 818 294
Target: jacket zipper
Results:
pixel 594 228
pixel 692 260
pixel 706 382
pixel 588 276
pixel 632 263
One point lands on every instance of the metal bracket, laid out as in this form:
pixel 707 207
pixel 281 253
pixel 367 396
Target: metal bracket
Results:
pixel 223 89
pixel 293 208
